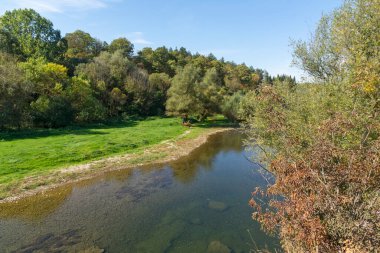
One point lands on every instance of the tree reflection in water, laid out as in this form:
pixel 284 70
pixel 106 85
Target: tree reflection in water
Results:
pixel 185 169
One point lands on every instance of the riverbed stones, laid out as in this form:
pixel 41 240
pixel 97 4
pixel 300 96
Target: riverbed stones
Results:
pixel 217 205
pixel 217 247
pixel 162 237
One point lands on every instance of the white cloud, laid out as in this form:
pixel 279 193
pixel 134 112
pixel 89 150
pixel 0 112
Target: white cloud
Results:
pixel 138 39
pixel 60 6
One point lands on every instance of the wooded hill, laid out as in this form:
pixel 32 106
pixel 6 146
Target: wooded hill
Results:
pixel 52 81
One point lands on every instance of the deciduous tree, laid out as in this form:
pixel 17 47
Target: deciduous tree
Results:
pixel 15 94
pixel 121 44
pixel 26 33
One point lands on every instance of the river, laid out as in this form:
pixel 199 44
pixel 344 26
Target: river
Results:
pixel 196 204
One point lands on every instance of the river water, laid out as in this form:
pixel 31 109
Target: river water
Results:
pixel 195 204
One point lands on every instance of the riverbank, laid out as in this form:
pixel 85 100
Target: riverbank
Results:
pixel 165 151
pixel 156 208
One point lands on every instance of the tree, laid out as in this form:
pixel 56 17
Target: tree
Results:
pixel 319 57
pixel 322 141
pixel 110 69
pixel 82 47
pixel 117 100
pixel 52 111
pixel 25 33
pixel 231 106
pixel 356 34
pixel 138 88
pixel 47 78
pixel 231 78
pixel 15 94
pixel 202 62
pixel 50 106
pixel 163 61
pixel 157 61
pixel 112 77
pixel 86 107
pixel 244 74
pixel 159 83
pixel 144 59
pixel 121 44
pixel 182 95
pixel 210 93
pixel 345 45
pixel 182 56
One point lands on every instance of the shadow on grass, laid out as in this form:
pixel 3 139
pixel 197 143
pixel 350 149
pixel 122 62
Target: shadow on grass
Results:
pixel 90 129
pixel 209 123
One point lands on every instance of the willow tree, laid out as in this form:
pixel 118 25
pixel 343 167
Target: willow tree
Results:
pixel 345 46
pixel 182 95
pixel 324 139
pixel 108 74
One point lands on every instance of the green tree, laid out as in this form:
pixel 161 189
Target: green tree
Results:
pixel 109 76
pixel 25 33
pixel 50 107
pixel 144 59
pixel 163 61
pixel 159 60
pixel 321 140
pixel 202 62
pixel 182 95
pixel 121 44
pixel 182 56
pixel 231 106
pixel 355 32
pixel 82 47
pixel 159 84
pixel 86 107
pixel 52 111
pixel 108 70
pixel 15 94
pixel 47 78
pixel 231 78
pixel 138 89
pixel 319 57
pixel 210 93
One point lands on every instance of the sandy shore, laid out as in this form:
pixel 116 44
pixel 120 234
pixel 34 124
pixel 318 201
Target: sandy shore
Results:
pixel 164 152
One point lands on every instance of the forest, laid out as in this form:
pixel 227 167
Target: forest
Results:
pixel 53 81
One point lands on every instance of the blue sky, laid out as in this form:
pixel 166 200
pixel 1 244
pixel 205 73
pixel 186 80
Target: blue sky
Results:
pixel 256 32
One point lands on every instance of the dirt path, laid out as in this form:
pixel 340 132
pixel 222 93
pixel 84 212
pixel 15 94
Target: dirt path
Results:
pixel 164 152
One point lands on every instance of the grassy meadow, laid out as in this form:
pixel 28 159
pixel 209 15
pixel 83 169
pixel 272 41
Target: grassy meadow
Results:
pixel 30 152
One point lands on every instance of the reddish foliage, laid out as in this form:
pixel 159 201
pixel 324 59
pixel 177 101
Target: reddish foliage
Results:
pixel 331 195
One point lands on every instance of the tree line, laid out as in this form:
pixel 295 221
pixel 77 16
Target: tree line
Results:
pixel 52 81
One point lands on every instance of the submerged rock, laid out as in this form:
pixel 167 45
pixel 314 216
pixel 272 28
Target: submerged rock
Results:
pixel 162 237
pixel 217 247
pixel 217 205
pixel 54 243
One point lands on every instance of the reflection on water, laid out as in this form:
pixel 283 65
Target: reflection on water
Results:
pixel 196 204
pixel 185 169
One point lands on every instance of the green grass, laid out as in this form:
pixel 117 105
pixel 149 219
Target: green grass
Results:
pixel 27 152
pixel 31 152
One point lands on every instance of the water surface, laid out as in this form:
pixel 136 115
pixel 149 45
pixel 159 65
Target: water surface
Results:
pixel 178 207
